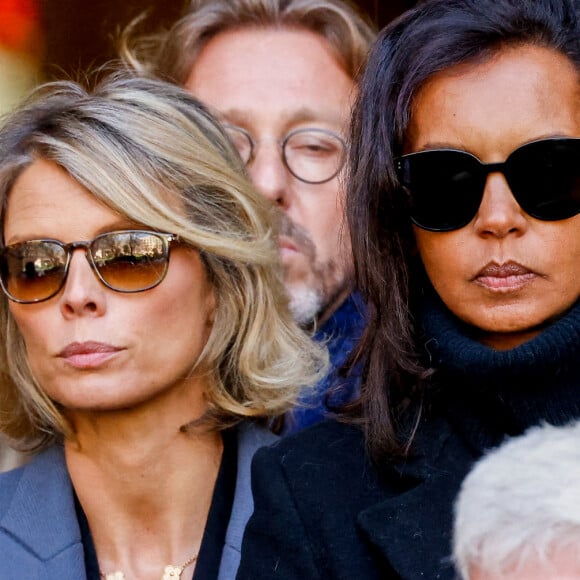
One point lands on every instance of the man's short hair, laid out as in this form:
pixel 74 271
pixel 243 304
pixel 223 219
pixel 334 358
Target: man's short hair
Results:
pixel 520 502
pixel 171 54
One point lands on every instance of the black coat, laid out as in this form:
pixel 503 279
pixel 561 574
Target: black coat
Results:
pixel 324 512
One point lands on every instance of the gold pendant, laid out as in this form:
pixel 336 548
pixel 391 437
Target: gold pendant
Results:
pixel 172 572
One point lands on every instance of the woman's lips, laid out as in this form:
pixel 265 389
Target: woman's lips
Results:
pixel 506 277
pixel 87 355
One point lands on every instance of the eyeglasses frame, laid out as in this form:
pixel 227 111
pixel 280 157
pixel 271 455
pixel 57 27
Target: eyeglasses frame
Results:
pixel 167 239
pixel 283 143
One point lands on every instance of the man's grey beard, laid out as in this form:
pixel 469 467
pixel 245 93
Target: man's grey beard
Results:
pixel 308 302
pixel 305 304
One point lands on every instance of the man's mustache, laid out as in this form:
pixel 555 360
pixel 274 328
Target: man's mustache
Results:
pixel 300 237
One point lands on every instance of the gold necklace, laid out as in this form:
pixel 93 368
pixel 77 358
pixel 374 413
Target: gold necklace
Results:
pixel 171 572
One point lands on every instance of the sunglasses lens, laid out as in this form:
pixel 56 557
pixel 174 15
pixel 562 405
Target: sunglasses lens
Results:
pixel 545 178
pixel 130 261
pixel 33 271
pixel 445 188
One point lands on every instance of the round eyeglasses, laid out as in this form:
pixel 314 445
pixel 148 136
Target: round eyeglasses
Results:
pixel 124 261
pixel 311 155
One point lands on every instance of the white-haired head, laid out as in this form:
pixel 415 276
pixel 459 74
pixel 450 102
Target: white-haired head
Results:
pixel 518 512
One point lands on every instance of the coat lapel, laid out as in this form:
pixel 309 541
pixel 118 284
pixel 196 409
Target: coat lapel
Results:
pixel 41 518
pixel 250 439
pixel 413 529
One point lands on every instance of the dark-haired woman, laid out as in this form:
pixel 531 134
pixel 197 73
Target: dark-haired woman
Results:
pixel 464 211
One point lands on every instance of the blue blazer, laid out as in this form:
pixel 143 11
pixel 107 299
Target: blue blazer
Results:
pixel 40 537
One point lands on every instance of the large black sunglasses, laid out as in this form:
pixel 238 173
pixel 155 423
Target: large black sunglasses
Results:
pixel 446 186
pixel 124 261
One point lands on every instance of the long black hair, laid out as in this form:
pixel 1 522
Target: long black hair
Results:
pixel 432 37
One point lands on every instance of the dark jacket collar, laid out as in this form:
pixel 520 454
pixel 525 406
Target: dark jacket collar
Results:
pixel 412 527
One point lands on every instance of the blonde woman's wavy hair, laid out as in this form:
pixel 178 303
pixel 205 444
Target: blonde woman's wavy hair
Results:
pixel 150 152
pixel 171 54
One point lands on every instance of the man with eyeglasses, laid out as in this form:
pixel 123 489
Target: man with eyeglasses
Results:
pixel 280 74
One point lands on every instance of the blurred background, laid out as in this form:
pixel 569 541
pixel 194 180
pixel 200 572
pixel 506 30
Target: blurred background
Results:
pixel 48 39
pixel 21 49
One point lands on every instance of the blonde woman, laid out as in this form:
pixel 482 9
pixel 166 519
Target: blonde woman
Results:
pixel 144 336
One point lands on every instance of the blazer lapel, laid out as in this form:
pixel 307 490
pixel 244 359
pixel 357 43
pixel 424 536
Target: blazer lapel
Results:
pixel 250 438
pixel 42 518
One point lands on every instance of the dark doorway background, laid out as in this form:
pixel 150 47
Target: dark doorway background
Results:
pixel 81 34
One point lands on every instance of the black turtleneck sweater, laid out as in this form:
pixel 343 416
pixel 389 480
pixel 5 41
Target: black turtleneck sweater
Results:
pixel 488 394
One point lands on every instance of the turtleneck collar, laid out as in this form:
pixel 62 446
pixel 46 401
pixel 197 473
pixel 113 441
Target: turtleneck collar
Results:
pixel 552 352
pixel 503 391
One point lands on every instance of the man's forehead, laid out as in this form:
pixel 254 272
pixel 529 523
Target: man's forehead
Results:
pixel 267 76
pixel 284 118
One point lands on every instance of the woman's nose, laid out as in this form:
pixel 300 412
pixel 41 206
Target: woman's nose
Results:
pixel 499 214
pixel 83 293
